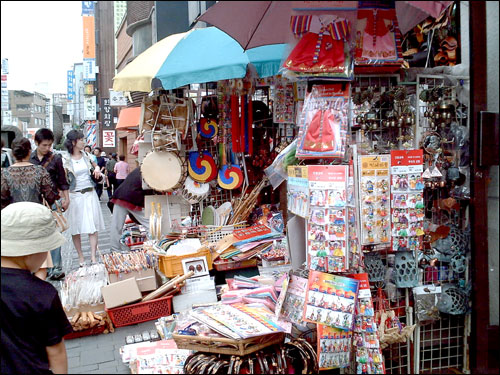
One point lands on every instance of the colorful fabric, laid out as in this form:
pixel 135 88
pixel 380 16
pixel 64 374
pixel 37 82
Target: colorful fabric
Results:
pixel 339 30
pixel 300 25
pixel 330 58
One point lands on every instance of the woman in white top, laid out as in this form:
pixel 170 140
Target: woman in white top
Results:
pixel 84 213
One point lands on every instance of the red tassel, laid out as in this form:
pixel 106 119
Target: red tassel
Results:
pixel 235 123
pixel 250 126
pixel 242 125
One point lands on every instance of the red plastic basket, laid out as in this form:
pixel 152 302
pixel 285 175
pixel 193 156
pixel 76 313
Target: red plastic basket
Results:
pixel 86 332
pixel 140 312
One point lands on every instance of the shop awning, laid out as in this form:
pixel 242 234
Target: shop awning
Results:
pixel 129 118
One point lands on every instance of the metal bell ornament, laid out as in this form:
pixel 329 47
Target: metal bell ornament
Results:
pixel 453 300
pixel 406 271
pixel 374 266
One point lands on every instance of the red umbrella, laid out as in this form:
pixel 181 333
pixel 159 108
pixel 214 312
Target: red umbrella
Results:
pixel 258 23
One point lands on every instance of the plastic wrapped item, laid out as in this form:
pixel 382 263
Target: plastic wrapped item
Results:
pixel 83 286
pixel 426 299
pixel 323 132
pixel 277 171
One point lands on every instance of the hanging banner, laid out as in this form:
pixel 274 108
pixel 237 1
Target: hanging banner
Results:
pixel 89 69
pixel 88 37
pixel 89 108
pixel 108 138
pixel 106 118
pixel 117 98
pixel 70 89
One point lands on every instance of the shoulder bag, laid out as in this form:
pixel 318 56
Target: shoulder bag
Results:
pixel 61 221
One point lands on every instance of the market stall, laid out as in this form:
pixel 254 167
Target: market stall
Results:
pixel 312 219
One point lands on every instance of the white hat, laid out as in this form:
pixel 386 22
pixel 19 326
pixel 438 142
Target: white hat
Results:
pixel 28 228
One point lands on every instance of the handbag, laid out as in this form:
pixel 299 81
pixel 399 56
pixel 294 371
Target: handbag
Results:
pixel 94 179
pixel 61 221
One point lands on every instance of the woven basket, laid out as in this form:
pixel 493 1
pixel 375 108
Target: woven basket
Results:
pixel 222 345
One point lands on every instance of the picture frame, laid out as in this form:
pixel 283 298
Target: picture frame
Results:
pixel 198 265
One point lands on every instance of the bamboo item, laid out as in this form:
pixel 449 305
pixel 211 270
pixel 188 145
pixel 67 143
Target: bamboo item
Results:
pixel 165 288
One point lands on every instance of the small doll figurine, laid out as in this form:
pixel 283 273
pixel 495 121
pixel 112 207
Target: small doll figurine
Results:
pixel 383 186
pixel 403 200
pixel 369 236
pixel 402 232
pixel 383 199
pixel 395 216
pixel 382 212
pixel 420 183
pixel 420 202
pixel 339 202
pixel 384 223
pixel 420 213
pixel 413 231
pixel 403 182
pixel 368 211
pixel 413 216
pixel 369 186
pixel 413 182
pixel 384 237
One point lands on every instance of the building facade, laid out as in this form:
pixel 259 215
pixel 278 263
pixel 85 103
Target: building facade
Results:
pixel 29 109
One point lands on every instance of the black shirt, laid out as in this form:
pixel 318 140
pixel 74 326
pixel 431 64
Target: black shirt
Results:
pixel 32 318
pixel 55 169
pixel 130 190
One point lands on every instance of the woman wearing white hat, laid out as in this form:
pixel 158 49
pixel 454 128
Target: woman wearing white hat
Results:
pixel 33 322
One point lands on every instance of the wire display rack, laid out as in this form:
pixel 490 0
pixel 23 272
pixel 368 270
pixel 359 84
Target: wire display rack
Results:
pixel 442 346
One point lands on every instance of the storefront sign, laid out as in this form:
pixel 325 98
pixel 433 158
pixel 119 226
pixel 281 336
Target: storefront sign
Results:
pixel 89 89
pixel 108 138
pixel 117 99
pixel 89 108
pixel 106 113
pixel 70 88
pixel 88 37
pixel 87 8
pixel 89 69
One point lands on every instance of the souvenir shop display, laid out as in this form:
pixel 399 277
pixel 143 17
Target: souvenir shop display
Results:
pixel 323 134
pixel 284 103
pixel 371 244
pixel 293 305
pixel 374 194
pixel 298 190
pixel 330 300
pixel 327 222
pixel 407 200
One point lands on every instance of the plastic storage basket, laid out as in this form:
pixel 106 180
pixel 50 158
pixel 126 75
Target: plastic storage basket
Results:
pixel 140 312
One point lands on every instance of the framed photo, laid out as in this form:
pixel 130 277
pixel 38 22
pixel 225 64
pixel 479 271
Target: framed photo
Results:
pixel 198 265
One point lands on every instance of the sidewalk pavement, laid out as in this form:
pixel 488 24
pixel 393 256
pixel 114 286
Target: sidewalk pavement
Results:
pixel 97 354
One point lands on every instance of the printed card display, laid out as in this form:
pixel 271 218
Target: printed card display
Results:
pixel 334 347
pixel 374 196
pixel 246 321
pixel 298 190
pixel 407 200
pixel 327 228
pixel 330 300
pixel 293 306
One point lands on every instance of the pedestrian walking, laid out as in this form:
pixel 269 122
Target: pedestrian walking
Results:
pixel 25 182
pixel 84 213
pixel 122 169
pixel 33 322
pixel 101 162
pixel 43 156
pixel 111 175
pixel 128 199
